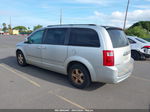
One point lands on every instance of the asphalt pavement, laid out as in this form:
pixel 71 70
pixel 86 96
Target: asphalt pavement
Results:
pixel 35 88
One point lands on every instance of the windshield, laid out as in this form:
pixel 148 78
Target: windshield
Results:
pixel 118 38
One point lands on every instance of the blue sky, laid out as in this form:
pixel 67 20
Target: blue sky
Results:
pixel 46 12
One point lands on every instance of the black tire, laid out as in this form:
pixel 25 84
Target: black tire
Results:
pixel 84 76
pixel 136 55
pixel 20 57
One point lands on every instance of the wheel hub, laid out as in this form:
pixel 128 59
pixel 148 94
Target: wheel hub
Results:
pixel 20 58
pixel 77 76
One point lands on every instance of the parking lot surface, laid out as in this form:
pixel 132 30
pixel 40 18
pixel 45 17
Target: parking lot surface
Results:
pixel 35 88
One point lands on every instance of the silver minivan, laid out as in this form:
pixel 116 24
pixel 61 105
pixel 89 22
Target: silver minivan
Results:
pixel 86 53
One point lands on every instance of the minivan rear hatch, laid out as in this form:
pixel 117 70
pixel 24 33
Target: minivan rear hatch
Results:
pixel 121 48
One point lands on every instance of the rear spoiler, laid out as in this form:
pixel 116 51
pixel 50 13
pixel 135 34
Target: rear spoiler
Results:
pixel 112 28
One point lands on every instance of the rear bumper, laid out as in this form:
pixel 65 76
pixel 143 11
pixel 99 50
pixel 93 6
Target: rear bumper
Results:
pixel 112 75
pixel 117 79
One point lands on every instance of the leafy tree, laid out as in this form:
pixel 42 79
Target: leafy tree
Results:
pixel 28 28
pixel 4 24
pixel 5 29
pixel 140 29
pixel 9 27
pixel 143 24
pixel 37 27
pixel 10 30
pixel 20 28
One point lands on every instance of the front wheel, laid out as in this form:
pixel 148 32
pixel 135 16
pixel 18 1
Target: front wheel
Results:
pixel 79 76
pixel 21 59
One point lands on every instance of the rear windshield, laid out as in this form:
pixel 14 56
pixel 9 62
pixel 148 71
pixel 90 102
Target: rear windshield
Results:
pixel 118 38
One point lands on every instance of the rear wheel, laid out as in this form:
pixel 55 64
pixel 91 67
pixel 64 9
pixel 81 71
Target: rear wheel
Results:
pixel 21 59
pixel 79 76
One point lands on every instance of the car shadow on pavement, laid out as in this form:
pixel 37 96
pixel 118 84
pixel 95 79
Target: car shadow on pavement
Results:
pixel 44 74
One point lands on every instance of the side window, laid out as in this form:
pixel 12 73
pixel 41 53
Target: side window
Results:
pixel 55 36
pixel 141 40
pixel 131 41
pixel 84 37
pixel 36 38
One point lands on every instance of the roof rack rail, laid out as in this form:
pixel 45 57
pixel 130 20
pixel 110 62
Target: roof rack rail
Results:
pixel 72 25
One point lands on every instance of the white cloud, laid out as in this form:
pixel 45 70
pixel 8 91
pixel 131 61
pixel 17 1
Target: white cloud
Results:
pixel 139 15
pixel 99 14
pixel 114 19
pixel 117 18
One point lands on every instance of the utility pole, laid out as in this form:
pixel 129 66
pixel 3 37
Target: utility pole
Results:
pixel 10 21
pixel 126 15
pixel 10 28
pixel 60 16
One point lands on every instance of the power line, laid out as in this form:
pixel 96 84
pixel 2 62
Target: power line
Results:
pixel 10 20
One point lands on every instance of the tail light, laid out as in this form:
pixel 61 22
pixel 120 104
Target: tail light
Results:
pixel 108 58
pixel 147 47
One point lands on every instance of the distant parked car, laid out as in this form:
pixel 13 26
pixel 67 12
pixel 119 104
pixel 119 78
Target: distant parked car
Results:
pixel 86 53
pixel 140 48
pixel 1 32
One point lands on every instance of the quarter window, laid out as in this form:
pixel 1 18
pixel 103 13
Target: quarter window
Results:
pixel 55 36
pixel 84 37
pixel 36 38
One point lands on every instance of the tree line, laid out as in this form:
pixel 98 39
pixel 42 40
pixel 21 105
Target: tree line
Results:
pixel 139 29
pixel 22 29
